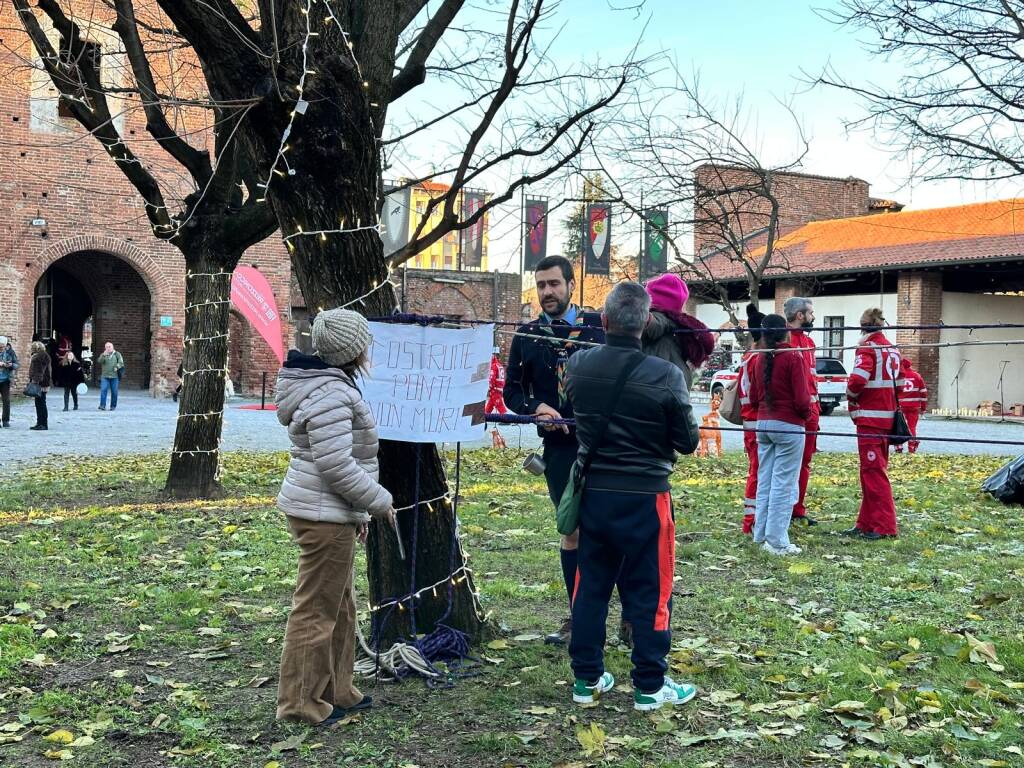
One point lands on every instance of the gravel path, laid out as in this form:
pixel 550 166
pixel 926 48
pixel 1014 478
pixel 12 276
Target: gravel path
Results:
pixel 142 424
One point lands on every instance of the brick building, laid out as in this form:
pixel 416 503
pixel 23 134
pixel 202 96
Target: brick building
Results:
pixel 956 265
pixel 77 256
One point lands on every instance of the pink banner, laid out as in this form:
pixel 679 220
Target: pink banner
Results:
pixel 252 296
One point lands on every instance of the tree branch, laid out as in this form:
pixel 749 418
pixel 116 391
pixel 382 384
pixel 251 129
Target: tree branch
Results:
pixel 414 71
pixel 195 161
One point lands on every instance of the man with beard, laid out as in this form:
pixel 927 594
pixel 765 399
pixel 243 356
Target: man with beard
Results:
pixel 799 317
pixel 535 385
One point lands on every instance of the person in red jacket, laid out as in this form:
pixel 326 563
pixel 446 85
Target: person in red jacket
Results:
pixel 495 401
pixel 780 389
pixel 871 392
pixel 799 317
pixel 913 400
pixel 749 414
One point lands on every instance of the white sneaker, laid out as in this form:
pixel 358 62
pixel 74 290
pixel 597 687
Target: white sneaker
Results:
pixel 791 549
pixel 585 693
pixel 671 693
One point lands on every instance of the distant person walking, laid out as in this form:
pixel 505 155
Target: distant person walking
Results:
pixel 40 379
pixel 780 388
pixel 111 370
pixel 913 399
pixel 68 374
pixel 8 365
pixel 328 495
pixel 748 412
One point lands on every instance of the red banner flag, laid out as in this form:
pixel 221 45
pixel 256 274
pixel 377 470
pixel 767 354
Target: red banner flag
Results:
pixel 252 296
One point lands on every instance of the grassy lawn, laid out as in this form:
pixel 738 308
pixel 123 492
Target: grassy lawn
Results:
pixel 136 632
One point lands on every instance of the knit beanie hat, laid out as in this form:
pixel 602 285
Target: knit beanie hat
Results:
pixel 668 293
pixel 340 336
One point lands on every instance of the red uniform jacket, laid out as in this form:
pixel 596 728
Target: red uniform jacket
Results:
pixel 872 386
pixel 747 410
pixel 914 396
pixel 801 340
pixel 791 397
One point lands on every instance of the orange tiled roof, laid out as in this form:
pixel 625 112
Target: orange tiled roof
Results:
pixel 433 186
pixel 964 233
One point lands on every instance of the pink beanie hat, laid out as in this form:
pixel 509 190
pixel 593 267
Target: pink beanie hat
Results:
pixel 668 293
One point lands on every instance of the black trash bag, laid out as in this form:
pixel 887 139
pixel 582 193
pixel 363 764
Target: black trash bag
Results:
pixel 1007 483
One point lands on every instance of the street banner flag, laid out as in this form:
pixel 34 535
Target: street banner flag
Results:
pixel 597 238
pixel 535 239
pixel 473 237
pixel 655 255
pixel 394 219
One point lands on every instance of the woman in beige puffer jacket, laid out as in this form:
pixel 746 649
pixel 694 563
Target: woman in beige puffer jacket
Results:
pixel 329 493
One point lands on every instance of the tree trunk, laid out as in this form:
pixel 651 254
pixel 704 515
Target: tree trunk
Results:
pixel 195 460
pixel 330 182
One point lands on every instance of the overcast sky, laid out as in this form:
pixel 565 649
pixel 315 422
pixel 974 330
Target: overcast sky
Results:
pixel 759 50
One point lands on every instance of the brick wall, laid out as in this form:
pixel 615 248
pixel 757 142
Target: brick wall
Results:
pixel 96 227
pixel 785 289
pixel 469 295
pixel 919 302
pixel 802 198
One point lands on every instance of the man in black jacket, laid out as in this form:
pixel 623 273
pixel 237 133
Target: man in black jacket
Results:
pixel 627 528
pixel 534 384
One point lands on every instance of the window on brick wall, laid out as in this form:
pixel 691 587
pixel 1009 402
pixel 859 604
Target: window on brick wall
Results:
pixel 834 336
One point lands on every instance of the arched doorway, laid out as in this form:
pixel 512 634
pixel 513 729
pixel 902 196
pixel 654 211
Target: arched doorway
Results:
pixel 94 297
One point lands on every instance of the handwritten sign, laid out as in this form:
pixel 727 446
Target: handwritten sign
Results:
pixel 428 385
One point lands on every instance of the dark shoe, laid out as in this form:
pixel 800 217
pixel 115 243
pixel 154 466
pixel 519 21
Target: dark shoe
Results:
pixel 871 536
pixel 626 634
pixel 340 713
pixel 804 520
pixel 103 408
pixel 39 427
pixel 855 531
pixel 562 636
pixel 113 407
pixel 65 409
pixel 75 408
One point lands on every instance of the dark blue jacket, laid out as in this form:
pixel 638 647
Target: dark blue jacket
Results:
pixel 7 355
pixel 533 367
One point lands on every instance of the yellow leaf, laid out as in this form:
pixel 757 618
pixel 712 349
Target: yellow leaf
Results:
pixel 272 764
pixel 60 737
pixel 801 569
pixel 591 739
pixel 1013 684
pixel 229 529
pixel 82 741
pixel 914 643
pixel 498 645
pixel 58 754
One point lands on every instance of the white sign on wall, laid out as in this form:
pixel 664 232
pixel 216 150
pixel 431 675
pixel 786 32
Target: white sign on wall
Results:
pixel 428 385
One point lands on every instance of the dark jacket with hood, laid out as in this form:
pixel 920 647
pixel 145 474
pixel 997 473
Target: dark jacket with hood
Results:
pixel 651 422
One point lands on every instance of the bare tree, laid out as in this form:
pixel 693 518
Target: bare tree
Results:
pixel 199 206
pixel 318 78
pixel 958 109
pixel 695 157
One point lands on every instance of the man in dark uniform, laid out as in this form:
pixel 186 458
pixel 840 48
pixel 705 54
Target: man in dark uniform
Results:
pixel 534 384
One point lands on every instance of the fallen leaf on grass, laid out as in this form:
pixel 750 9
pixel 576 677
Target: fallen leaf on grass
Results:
pixel 498 645
pixel 288 745
pixel 82 741
pixel 527 638
pixel 60 736
pixel 591 739
pixel 58 754
pixel 801 569
pixel 689 739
